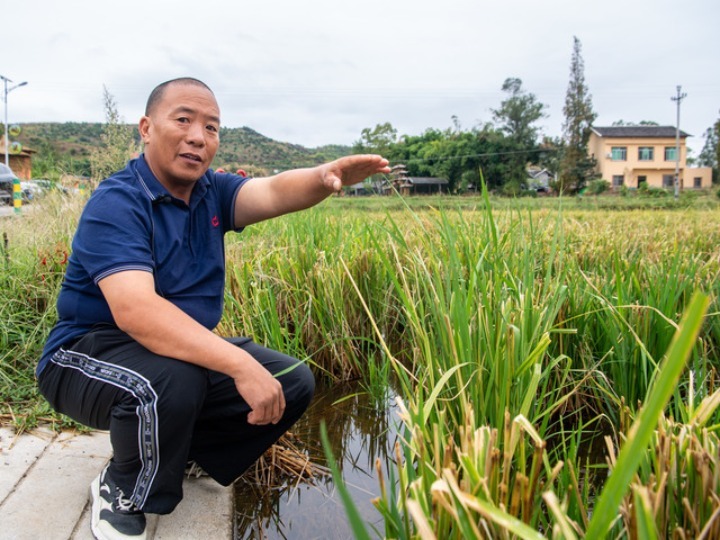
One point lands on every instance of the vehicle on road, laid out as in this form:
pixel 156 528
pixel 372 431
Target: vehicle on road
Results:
pixel 7 177
pixel 32 189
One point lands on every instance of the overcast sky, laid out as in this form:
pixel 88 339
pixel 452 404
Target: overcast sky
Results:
pixel 314 72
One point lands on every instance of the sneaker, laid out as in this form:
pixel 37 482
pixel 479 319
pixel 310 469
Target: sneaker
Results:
pixel 192 469
pixel 113 515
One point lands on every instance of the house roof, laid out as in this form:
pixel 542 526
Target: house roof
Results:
pixel 427 180
pixel 663 132
pixel 537 173
pixel 24 152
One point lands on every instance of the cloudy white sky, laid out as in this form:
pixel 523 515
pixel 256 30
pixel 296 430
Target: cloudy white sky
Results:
pixel 314 72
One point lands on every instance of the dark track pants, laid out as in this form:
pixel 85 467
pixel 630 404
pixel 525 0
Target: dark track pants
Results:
pixel 162 412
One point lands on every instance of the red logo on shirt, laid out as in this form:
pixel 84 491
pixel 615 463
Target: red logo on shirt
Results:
pixel 215 221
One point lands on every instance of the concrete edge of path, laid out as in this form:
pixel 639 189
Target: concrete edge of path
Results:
pixel 44 481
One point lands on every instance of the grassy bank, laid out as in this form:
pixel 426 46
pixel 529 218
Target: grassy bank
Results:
pixel 517 331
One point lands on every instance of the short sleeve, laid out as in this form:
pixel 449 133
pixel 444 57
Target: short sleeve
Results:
pixel 227 186
pixel 114 233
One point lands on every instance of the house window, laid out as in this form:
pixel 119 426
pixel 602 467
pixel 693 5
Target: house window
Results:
pixel 670 153
pixel 618 153
pixel 642 179
pixel 646 153
pixel 668 180
pixel 697 182
pixel 618 180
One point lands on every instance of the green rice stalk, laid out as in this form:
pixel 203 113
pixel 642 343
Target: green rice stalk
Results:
pixel 631 454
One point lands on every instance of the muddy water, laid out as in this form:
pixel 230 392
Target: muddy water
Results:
pixel 360 432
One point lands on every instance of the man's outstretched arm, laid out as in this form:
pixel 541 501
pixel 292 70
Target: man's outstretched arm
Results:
pixel 297 189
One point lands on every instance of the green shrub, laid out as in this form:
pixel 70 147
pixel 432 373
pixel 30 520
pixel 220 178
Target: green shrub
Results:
pixel 596 187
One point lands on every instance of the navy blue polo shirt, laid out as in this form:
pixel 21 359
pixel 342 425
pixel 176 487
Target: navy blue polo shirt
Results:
pixel 131 222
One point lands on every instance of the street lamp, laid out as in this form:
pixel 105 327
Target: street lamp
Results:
pixel 5 94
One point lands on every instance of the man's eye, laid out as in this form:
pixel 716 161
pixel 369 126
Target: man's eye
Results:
pixel 212 128
pixel 183 120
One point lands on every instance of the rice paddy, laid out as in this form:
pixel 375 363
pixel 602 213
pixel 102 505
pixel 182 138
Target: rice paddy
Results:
pixel 516 334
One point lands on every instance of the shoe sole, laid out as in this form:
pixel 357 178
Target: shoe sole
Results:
pixel 94 502
pixel 95 508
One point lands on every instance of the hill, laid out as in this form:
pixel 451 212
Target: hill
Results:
pixel 67 146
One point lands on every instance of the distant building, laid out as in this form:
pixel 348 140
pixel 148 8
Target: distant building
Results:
pixel 369 187
pixel 631 155
pixel 403 185
pixel 539 179
pixel 423 185
pixel 20 163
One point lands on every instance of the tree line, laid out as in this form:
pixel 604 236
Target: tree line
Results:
pixel 501 150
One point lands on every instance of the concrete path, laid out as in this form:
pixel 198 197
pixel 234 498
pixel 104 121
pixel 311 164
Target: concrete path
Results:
pixel 44 483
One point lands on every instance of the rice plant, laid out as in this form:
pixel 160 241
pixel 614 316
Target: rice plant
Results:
pixel 515 334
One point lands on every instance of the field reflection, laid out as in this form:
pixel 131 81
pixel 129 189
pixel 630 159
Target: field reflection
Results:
pixel 361 431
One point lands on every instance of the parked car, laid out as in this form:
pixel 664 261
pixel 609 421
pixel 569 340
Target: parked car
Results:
pixel 43 186
pixel 7 177
pixel 30 190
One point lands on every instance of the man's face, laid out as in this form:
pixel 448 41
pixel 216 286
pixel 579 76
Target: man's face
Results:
pixel 181 135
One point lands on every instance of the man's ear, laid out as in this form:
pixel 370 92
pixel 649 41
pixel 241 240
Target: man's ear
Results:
pixel 144 129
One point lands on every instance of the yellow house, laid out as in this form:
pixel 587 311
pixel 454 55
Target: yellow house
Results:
pixel 631 155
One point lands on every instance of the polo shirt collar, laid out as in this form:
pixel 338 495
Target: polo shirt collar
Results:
pixel 156 191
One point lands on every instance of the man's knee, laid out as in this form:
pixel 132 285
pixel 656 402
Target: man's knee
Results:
pixel 295 376
pixel 182 390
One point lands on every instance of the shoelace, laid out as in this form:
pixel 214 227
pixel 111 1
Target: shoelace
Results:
pixel 123 503
pixel 193 469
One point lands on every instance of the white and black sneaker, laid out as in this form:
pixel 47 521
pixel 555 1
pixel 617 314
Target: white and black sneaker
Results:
pixel 193 470
pixel 113 515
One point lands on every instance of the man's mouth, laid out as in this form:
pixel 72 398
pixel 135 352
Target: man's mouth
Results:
pixel 192 157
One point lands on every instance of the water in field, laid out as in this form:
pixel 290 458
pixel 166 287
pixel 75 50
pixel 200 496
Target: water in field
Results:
pixel 360 432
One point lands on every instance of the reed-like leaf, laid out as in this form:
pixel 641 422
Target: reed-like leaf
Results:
pixel 631 454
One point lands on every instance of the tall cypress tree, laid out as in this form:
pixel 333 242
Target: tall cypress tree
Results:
pixel 576 165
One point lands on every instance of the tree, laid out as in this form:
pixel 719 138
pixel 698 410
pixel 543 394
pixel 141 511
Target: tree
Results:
pixel 500 158
pixel 46 163
pixel 620 123
pixel 516 117
pixel 576 166
pixel 451 156
pixel 519 112
pixel 710 154
pixel 117 144
pixel 378 140
pixel 550 153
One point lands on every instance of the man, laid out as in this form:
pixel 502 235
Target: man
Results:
pixel 133 350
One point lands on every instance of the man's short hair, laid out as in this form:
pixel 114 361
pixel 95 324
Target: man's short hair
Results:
pixel 157 94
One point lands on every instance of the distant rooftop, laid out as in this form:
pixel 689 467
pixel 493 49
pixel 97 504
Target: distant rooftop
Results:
pixel 638 131
pixel 427 180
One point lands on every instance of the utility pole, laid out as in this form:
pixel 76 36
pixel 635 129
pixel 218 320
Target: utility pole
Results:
pixel 6 91
pixel 677 98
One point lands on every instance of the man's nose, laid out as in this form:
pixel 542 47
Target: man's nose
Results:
pixel 196 134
